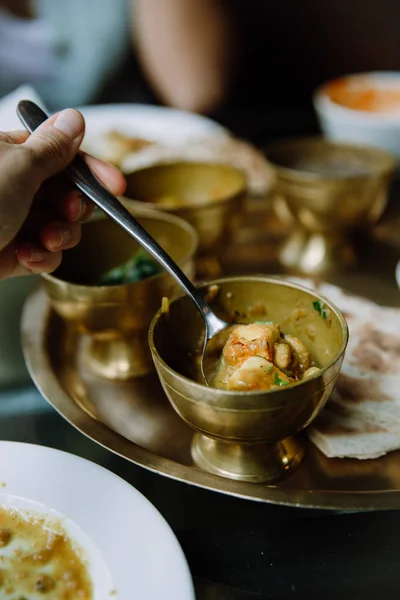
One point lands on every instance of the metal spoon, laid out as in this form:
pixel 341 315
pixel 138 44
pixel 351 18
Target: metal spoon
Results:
pixel 78 171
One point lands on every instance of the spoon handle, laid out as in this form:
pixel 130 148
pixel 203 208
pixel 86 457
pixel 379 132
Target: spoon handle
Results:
pixel 78 171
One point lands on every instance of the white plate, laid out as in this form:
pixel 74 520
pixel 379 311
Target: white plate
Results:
pixel 178 135
pixel 131 548
pixel 156 123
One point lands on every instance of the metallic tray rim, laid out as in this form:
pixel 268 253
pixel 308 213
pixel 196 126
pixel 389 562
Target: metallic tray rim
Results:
pixel 33 332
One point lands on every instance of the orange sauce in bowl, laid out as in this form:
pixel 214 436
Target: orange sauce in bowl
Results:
pixel 362 95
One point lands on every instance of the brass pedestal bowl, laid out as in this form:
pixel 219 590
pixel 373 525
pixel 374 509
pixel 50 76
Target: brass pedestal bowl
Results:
pixel 211 197
pixel 249 436
pixel 325 191
pixel 115 318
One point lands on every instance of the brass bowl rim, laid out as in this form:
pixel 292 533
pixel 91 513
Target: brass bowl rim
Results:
pixel 155 216
pixel 298 174
pixel 265 279
pixel 242 189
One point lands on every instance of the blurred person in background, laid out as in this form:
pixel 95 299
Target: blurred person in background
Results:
pixel 251 65
pixel 71 51
pixel 289 48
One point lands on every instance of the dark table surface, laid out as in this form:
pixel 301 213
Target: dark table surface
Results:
pixel 238 549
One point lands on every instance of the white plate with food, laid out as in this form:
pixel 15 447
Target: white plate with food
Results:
pixel 133 136
pixel 71 529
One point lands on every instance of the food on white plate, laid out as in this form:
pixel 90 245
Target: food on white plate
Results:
pixel 130 153
pixel 258 356
pixel 112 146
pixel 39 560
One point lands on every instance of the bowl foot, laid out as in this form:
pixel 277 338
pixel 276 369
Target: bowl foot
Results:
pixel 255 463
pixel 317 254
pixel 118 358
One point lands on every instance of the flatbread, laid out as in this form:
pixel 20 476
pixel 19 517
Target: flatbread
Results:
pixel 362 418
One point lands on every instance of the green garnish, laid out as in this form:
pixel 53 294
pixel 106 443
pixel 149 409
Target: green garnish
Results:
pixel 279 381
pixel 140 266
pixel 263 322
pixel 319 307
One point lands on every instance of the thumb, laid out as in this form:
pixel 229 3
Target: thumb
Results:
pixel 53 145
pixel 24 167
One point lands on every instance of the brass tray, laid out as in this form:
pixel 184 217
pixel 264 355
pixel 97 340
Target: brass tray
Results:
pixel 135 420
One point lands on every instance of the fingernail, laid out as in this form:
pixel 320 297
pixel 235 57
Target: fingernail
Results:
pixel 36 256
pixel 65 236
pixel 70 122
pixel 82 208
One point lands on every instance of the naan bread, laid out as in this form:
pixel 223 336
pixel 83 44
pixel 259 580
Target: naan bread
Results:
pixel 343 433
pixel 362 419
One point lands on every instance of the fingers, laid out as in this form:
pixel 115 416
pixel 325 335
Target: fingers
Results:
pixel 74 207
pixel 110 176
pixel 27 259
pixel 60 236
pixel 13 137
pixel 26 163
pixel 35 259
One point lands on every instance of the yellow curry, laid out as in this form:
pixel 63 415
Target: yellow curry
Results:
pixel 259 356
pixel 38 561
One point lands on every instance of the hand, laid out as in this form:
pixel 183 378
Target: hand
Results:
pixel 40 212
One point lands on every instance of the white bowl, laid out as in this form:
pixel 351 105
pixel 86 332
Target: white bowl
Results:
pixel 338 122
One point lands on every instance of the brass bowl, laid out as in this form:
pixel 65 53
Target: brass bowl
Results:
pixel 214 197
pixel 325 191
pixel 249 436
pixel 115 319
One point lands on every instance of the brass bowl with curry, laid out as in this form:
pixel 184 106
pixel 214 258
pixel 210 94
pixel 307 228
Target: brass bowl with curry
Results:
pixel 211 197
pixel 268 380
